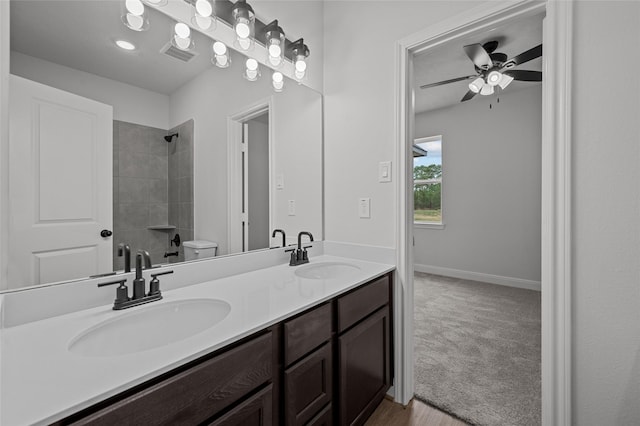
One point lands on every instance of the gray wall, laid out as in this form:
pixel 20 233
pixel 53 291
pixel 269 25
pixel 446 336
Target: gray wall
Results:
pixel 139 189
pixel 491 187
pixel 258 182
pixel 181 186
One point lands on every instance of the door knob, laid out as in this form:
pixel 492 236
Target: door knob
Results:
pixel 105 233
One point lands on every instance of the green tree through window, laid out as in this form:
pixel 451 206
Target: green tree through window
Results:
pixel 427 178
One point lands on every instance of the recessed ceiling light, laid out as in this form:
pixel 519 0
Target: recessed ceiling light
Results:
pixel 125 45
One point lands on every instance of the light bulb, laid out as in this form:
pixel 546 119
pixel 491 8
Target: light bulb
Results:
pixel 494 78
pixel 219 48
pixel 242 29
pixel 476 85
pixel 221 61
pixel 123 44
pixel 182 30
pixel 204 8
pixel 244 43
pixel 134 7
pixel 134 22
pixel 252 64
pixel 182 43
pixel 275 50
pixel 487 89
pixel 505 81
pixel 277 79
pixel 301 65
pixel 203 22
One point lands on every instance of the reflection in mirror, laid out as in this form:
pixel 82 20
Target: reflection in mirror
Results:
pixel 146 150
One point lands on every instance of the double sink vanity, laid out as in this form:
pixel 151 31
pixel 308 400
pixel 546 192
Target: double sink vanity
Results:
pixel 263 344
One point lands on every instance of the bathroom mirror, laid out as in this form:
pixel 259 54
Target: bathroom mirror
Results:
pixel 198 153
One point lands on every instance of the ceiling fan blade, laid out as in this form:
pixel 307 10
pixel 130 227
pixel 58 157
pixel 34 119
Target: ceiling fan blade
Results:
pixel 479 56
pixel 490 46
pixel 524 75
pixel 470 94
pixel 453 80
pixel 530 54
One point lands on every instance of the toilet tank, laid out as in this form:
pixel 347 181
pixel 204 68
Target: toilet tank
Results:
pixel 199 249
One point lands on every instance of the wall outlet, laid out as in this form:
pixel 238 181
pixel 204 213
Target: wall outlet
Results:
pixel 291 207
pixel 364 207
pixel 384 171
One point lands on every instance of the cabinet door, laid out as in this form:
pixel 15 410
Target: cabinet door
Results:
pixel 323 418
pixel 308 386
pixel 255 411
pixel 364 367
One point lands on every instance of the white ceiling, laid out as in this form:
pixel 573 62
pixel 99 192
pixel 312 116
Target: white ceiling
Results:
pixel 449 61
pixel 81 34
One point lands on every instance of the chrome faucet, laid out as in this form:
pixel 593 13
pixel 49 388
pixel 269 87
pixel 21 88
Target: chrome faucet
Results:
pixel 300 256
pixel 124 249
pixel 284 238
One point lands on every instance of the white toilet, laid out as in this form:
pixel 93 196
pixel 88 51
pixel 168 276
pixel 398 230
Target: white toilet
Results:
pixel 199 249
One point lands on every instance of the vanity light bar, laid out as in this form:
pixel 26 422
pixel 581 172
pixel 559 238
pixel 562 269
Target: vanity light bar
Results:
pixel 223 11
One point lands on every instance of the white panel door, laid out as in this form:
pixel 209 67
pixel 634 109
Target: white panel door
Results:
pixel 60 185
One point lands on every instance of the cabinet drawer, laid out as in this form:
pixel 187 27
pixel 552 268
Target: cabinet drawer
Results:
pixel 358 304
pixel 255 411
pixel 306 332
pixel 197 394
pixel 308 386
pixel 323 418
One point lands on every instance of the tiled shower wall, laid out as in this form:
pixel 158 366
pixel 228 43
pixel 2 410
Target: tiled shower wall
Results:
pixel 152 186
pixel 181 184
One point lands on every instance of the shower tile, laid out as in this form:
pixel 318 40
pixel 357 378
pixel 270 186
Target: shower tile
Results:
pixel 185 190
pixel 133 216
pixel 158 166
pixel 173 191
pixel 185 164
pixel 158 239
pixel 157 144
pixel 158 191
pixel 174 213
pixel 185 141
pixel 133 190
pixel 134 164
pixel 116 163
pixel 157 257
pixel 186 216
pixel 158 214
pixel 132 137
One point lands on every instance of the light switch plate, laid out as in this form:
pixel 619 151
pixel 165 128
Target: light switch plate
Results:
pixel 280 181
pixel 291 207
pixel 384 171
pixel 364 207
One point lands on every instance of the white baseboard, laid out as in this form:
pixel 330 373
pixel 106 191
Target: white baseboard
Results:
pixel 479 276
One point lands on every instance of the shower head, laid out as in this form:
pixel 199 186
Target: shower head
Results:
pixel 169 138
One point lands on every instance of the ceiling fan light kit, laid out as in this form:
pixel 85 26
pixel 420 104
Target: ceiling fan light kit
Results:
pixel 493 69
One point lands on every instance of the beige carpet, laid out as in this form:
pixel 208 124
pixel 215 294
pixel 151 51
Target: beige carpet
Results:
pixel 477 350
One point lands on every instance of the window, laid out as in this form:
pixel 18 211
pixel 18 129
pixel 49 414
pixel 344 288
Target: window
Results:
pixel 427 181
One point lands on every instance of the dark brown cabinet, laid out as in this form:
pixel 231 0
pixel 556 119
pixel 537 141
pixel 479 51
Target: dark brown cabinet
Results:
pixel 365 367
pixel 331 364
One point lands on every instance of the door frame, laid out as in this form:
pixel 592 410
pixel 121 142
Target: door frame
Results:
pixel 556 238
pixel 235 123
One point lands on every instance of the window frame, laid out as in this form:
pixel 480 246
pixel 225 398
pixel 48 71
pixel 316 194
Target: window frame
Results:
pixel 431 225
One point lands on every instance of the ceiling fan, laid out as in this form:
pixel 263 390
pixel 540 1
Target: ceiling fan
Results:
pixel 494 69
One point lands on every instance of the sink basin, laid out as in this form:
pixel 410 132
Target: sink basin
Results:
pixel 326 270
pixel 150 327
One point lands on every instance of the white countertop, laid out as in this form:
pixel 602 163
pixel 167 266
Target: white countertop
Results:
pixel 41 381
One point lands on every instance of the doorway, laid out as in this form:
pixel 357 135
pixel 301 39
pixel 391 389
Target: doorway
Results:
pixel 250 151
pixel 556 191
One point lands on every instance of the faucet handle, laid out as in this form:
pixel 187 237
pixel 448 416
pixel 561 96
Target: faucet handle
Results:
pixel 154 284
pixel 122 292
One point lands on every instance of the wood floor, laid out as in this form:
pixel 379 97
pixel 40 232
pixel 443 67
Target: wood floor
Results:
pixel 417 413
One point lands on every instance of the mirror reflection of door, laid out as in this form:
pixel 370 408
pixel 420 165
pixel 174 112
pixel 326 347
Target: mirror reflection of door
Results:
pixel 255 185
pixel 60 185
